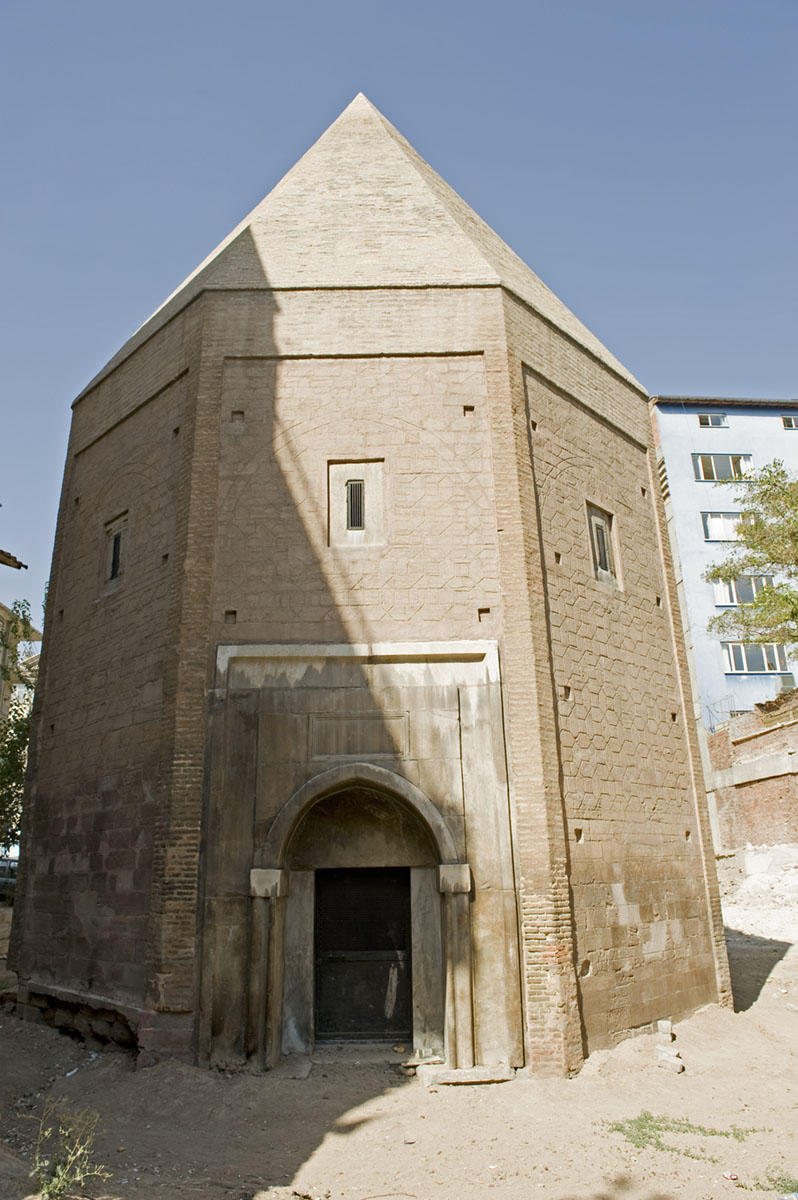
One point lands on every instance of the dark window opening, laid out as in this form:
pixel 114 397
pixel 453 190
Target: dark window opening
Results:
pixel 116 555
pixel 600 524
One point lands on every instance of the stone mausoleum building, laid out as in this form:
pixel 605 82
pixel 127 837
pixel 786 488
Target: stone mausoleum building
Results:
pixel 363 706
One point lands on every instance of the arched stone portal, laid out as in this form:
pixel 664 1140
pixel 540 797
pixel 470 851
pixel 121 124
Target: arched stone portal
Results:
pixel 357 861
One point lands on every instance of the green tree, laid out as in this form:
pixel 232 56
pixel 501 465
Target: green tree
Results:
pixel 766 548
pixel 14 736
pixel 15 647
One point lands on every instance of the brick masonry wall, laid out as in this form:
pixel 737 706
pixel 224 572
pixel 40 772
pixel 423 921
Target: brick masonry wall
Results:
pixel 635 836
pixel 422 379
pixel 425 418
pixel 762 806
pixel 84 915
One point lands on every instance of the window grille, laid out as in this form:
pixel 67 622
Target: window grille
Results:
pixel 355 504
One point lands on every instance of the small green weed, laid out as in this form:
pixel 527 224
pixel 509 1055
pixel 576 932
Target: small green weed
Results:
pixel 778 1181
pixel 647 1130
pixel 62 1160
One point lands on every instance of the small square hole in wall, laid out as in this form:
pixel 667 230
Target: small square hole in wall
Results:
pixel 176 431
pixel 674 716
pixel 467 408
pixel 164 558
pixel 585 968
pixel 533 425
pixel 237 415
pixel 483 613
pixel 643 491
pixel 565 691
pixel 579 835
pixel 60 614
pixel 557 556
pixel 230 616
pixel 77 499
pixel 659 601
pixel 687 835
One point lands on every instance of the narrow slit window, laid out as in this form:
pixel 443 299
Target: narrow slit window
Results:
pixel 600 525
pixel 115 550
pixel 355 504
pixel 116 555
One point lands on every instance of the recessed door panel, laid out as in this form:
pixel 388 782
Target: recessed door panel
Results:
pixel 363 954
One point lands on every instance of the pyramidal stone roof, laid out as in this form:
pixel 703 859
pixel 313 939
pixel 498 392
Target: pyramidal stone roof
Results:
pixel 362 209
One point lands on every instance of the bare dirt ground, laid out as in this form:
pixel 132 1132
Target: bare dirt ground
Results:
pixel 363 1130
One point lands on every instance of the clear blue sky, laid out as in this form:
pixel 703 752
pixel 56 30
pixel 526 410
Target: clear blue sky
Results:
pixel 639 155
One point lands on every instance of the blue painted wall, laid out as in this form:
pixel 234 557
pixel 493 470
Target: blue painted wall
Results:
pixel 754 428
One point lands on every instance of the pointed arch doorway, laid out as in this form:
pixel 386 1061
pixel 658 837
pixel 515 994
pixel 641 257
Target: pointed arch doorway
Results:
pixel 363 938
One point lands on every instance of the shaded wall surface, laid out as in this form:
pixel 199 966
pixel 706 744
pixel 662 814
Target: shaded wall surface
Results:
pixel 643 893
pixel 97 743
pixel 755 774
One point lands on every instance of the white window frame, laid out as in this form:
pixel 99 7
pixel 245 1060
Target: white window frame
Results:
pixel 789 422
pixel 727 593
pixel 725 529
pixel 713 421
pixel 738 657
pixel 705 467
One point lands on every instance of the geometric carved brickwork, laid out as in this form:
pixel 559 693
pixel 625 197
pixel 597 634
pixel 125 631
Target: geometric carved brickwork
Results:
pixel 359 568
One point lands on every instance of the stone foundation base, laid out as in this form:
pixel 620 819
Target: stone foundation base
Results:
pixel 100 1021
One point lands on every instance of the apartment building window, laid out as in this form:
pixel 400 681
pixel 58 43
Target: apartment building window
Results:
pixel 720 526
pixel 749 658
pixel 600 525
pixel 712 420
pixel 721 466
pixel 741 590
pixel 790 422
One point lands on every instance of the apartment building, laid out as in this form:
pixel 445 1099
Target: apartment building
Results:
pixel 704 446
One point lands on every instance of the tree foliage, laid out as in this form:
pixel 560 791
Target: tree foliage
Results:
pixel 15 647
pixel 14 736
pixel 767 545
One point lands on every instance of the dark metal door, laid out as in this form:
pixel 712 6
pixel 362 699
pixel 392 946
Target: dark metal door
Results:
pixel 362 953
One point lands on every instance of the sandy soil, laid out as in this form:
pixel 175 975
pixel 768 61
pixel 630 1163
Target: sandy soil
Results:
pixel 363 1129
